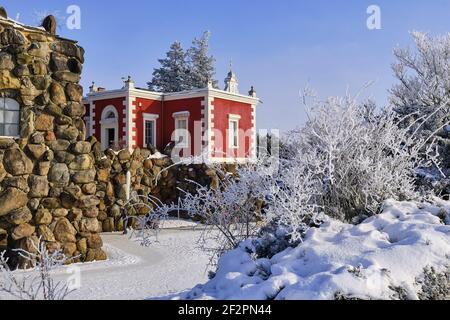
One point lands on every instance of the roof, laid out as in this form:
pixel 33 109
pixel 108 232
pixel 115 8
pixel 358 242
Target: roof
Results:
pixel 145 93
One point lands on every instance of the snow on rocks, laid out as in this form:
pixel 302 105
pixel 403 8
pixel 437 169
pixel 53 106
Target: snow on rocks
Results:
pixel 371 260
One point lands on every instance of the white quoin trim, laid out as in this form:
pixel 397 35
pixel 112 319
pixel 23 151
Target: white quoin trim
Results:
pixel 126 120
pixel 131 122
pixel 209 108
pixel 149 117
pixel 91 118
pixel 253 151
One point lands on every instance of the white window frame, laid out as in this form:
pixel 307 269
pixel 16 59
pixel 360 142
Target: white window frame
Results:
pixel 181 116
pixel 149 117
pixel 3 101
pixel 233 118
pixel 109 123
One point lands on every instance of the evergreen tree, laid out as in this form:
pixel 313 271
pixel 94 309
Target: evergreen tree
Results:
pixel 172 76
pixel 202 67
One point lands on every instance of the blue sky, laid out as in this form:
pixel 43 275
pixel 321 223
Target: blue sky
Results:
pixel 277 46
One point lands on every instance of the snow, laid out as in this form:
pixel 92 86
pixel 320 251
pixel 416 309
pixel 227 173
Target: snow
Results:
pixel 360 261
pixel 18 24
pixel 172 223
pixel 133 272
pixel 157 155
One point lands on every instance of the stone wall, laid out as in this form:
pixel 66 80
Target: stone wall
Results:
pixel 151 174
pixel 56 185
pixel 47 174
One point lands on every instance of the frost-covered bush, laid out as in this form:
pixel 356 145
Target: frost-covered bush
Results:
pixel 435 285
pixel 354 157
pixel 423 91
pixel 233 210
pixel 345 162
pixel 39 283
pixel 146 228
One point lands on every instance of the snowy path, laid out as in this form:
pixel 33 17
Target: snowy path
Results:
pixel 135 272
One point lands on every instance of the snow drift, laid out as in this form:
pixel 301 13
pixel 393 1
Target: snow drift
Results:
pixel 381 258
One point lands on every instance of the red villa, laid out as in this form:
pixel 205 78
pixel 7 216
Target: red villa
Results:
pixel 219 125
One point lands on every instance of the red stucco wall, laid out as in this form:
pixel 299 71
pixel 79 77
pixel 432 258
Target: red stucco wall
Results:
pixel 153 107
pixel 222 109
pixel 194 106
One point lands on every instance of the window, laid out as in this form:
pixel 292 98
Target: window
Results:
pixel 149 132
pixel 233 131
pixel 182 129
pixel 149 129
pixel 181 136
pixel 9 117
pixel 87 121
pixel 111 115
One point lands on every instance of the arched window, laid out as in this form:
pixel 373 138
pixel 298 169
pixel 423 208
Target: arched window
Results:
pixel 9 117
pixel 111 115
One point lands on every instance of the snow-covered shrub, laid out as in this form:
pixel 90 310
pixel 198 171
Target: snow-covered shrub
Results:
pixel 146 228
pixel 232 211
pixel 39 283
pixel 354 157
pixel 345 162
pixel 423 91
pixel 378 259
pixel 435 285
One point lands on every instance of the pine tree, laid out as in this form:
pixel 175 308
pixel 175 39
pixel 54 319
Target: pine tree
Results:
pixel 172 76
pixel 202 67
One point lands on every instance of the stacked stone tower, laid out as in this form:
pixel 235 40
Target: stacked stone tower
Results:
pixel 47 173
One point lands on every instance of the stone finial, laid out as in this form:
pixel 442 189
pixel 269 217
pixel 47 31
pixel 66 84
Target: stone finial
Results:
pixel 93 88
pixel 49 24
pixel 3 13
pixel 129 83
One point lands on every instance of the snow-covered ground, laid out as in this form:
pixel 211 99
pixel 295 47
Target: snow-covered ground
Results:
pixel 171 265
pixel 365 261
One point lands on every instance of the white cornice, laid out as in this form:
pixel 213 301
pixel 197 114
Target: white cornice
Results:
pixel 102 95
pixel 197 93
pixel 141 93
pixel 232 96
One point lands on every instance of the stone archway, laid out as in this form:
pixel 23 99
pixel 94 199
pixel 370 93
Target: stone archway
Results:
pixel 109 127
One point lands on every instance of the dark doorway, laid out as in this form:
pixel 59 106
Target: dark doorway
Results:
pixel 111 136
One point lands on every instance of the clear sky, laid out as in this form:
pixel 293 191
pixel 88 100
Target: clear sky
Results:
pixel 278 46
